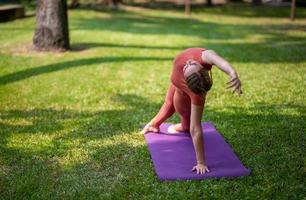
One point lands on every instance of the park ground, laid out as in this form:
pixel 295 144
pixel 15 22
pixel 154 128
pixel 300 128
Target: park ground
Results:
pixel 69 122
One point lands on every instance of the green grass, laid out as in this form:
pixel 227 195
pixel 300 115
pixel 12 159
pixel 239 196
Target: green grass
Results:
pixel 69 121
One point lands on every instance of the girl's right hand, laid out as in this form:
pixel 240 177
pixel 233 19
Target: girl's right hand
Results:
pixel 200 168
pixel 149 128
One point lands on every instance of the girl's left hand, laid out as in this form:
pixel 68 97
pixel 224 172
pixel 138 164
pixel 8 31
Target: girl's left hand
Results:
pixel 235 84
pixel 200 168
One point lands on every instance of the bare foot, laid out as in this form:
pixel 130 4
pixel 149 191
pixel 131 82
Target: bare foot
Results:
pixel 149 128
pixel 175 128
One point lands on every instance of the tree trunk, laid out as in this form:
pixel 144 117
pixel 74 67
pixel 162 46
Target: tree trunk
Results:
pixel 51 31
pixel 209 3
pixel 114 4
pixel 256 2
pixel 74 4
pixel 187 7
pixel 293 9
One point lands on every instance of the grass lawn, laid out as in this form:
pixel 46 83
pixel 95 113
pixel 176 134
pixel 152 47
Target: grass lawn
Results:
pixel 69 121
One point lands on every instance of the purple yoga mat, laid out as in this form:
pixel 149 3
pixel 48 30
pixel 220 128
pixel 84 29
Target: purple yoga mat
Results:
pixel 173 155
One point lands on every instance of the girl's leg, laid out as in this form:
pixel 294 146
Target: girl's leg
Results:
pixel 167 109
pixel 182 105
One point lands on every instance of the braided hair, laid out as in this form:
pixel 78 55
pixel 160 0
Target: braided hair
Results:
pixel 199 82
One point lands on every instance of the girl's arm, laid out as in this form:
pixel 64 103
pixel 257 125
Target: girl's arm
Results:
pixel 197 138
pixel 212 58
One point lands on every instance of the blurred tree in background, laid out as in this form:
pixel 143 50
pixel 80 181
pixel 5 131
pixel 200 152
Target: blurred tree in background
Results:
pixel 256 2
pixel 51 31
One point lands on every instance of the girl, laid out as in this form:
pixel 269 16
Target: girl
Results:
pixel 189 83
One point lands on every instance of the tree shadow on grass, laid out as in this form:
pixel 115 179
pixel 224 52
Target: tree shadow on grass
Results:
pixel 248 10
pixel 135 22
pixel 287 52
pixel 239 9
pixel 138 23
pixel 275 45
pixel 27 73
pixel 268 142
pixel 77 160
pixel 35 164
pixel 100 124
pixel 229 9
pixel 89 45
